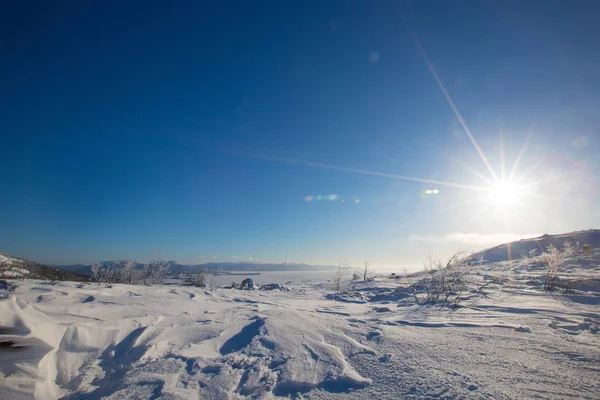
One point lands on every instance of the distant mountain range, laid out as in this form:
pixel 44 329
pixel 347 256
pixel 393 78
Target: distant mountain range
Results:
pixel 518 249
pixel 177 268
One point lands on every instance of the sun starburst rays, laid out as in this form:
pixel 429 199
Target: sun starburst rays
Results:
pixel 507 191
pixel 503 190
pixel 513 170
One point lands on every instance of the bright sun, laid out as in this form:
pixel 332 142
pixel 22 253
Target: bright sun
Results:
pixel 504 193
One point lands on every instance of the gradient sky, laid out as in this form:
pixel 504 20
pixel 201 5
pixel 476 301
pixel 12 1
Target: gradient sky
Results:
pixel 135 128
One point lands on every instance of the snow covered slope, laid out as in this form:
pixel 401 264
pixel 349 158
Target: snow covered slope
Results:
pixel 14 267
pixel 512 340
pixel 521 248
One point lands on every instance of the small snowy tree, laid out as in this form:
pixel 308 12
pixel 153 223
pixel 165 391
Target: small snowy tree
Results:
pixel 339 277
pixel 577 250
pixel 199 278
pixel 552 260
pixel 533 253
pixel 568 249
pixel 155 272
pixel 106 273
pixel 367 272
pixel 96 272
pixel 129 274
pixel 211 278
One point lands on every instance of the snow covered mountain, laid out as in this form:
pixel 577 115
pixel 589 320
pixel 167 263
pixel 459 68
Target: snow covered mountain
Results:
pixel 521 248
pixel 17 268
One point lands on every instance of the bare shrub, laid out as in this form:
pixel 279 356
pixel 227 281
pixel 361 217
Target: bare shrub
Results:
pixel 367 272
pixel 108 274
pixel 481 286
pixel 211 278
pixel 568 249
pixel 155 272
pixel 340 277
pixel 199 278
pixel 552 260
pixel 534 253
pixel 578 250
pixel 130 274
pixel 447 282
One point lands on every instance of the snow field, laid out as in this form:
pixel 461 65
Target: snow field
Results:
pixel 90 341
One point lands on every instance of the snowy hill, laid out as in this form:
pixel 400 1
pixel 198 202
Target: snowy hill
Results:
pixel 14 267
pixel 521 248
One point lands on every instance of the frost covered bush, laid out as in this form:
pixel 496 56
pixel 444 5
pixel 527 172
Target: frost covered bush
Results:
pixel 534 253
pixel 444 282
pixel 367 272
pixel 106 273
pixel 343 280
pixel 129 272
pixel 552 260
pixel 339 277
pixel 199 278
pixel 211 278
pixel 155 272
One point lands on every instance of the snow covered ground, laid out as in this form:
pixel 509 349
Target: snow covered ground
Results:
pixel 514 340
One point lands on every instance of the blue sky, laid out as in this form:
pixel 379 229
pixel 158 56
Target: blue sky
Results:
pixel 198 130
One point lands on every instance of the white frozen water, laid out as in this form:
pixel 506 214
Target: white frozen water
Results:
pixel 75 341
pixel 281 277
